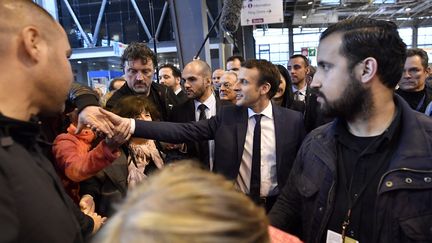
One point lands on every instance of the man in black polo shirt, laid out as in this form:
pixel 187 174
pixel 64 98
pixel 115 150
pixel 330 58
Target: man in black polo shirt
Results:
pixel 367 176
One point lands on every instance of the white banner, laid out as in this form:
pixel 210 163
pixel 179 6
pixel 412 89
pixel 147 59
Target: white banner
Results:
pixel 261 12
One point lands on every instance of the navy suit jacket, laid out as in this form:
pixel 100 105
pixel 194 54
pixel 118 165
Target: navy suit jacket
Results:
pixel 185 112
pixel 228 129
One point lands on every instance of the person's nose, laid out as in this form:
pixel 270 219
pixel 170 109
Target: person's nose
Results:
pixel 316 82
pixel 140 76
pixel 406 74
pixel 187 84
pixel 236 86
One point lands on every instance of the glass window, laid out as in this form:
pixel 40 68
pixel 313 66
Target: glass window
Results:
pixel 332 2
pixel 424 39
pixel 383 1
pixel 406 35
pixel 273 45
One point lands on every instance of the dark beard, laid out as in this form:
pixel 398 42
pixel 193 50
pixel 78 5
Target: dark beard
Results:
pixel 355 100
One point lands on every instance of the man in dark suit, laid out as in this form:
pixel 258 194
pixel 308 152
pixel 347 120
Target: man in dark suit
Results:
pixel 255 142
pixel 139 64
pixel 300 71
pixel 198 86
pixel 170 76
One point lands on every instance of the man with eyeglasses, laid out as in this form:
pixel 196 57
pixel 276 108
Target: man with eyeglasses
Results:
pixel 139 67
pixel 227 83
pixel 412 86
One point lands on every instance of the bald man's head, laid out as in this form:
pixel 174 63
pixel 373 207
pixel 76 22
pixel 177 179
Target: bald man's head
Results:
pixel 17 14
pixel 197 76
pixel 204 68
pixel 35 52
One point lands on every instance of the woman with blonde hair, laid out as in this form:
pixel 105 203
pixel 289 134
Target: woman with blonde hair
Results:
pixel 183 203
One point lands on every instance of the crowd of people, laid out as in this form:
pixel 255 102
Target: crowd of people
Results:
pixel 249 152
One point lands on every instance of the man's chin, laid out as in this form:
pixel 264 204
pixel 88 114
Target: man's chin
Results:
pixel 141 90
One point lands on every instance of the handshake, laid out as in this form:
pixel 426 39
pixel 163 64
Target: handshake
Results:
pixel 116 129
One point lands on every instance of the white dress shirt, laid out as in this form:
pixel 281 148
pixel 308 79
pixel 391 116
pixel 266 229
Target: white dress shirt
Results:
pixel 268 155
pixel 178 91
pixel 210 111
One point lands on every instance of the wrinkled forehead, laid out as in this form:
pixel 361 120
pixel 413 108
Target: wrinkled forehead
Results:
pixel 139 63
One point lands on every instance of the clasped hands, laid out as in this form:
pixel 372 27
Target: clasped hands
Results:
pixel 116 129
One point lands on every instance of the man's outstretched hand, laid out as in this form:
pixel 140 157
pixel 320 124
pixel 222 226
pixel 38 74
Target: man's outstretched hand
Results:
pixel 118 121
pixel 92 117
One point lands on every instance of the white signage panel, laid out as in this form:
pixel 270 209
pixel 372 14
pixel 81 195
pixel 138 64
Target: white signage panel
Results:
pixel 261 12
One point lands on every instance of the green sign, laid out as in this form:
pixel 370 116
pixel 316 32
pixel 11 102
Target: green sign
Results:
pixel 312 51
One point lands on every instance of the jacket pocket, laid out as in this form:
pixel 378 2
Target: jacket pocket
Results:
pixel 306 186
pixel 417 228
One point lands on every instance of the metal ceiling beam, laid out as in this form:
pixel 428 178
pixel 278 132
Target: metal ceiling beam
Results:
pixel 75 19
pixel 98 22
pixel 161 20
pixel 141 19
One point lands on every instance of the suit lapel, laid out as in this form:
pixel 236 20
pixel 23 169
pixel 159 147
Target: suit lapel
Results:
pixel 242 123
pixel 191 110
pixel 279 127
pixel 218 104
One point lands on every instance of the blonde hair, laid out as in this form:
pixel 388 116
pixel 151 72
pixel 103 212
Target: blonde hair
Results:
pixel 183 203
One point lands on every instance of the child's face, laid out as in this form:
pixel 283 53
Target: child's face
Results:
pixel 145 116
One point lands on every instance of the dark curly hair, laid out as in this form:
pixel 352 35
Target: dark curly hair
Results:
pixel 138 50
pixel 132 107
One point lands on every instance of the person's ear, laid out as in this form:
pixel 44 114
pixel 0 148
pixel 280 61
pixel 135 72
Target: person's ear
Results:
pixel 265 88
pixel 368 69
pixel 428 70
pixel 209 81
pixel 33 43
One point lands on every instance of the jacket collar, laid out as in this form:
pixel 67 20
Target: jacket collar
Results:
pixel 414 140
pixel 24 132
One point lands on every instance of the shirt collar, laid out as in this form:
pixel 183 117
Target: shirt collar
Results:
pixel 209 102
pixel 268 111
pixel 302 90
pixel 177 91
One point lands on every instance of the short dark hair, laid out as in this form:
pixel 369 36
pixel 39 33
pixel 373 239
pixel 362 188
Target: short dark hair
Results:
pixel 421 53
pixel 175 71
pixel 268 74
pixel 232 58
pixel 306 61
pixel 365 37
pixel 132 106
pixel 111 85
pixel 138 50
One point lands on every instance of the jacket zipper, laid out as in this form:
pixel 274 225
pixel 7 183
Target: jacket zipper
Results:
pixel 327 213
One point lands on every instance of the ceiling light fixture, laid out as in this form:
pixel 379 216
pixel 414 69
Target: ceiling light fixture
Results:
pixel 304 16
pixel 408 9
pixel 310 3
pixel 79 62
